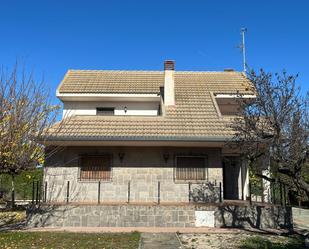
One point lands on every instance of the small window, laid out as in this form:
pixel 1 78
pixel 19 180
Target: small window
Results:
pixel 105 111
pixel 95 167
pixel 191 168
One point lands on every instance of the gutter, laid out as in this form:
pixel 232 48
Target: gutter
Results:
pixel 142 138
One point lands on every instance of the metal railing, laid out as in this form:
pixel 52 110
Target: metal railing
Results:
pixel 206 192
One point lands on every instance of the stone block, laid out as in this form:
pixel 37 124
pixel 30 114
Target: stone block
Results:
pixel 183 218
pixel 159 221
pixel 84 221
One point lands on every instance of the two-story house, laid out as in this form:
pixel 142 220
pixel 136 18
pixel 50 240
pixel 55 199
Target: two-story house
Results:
pixel 140 136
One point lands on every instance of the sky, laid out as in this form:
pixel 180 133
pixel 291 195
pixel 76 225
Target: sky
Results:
pixel 50 37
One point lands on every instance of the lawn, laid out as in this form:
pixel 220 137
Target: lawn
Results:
pixel 59 240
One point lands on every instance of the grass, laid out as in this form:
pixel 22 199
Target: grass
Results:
pixel 259 242
pixel 49 240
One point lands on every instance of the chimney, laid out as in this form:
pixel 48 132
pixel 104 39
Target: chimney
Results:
pixel 169 83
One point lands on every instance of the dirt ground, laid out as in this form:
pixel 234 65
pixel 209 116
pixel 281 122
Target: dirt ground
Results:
pixel 223 241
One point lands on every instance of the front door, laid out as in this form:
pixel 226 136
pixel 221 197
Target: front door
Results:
pixel 231 173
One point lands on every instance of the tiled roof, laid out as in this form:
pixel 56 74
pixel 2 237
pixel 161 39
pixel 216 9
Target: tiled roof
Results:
pixel 193 117
pixel 93 81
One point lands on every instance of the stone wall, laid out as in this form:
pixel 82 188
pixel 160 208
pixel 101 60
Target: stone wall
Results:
pixel 143 167
pixel 256 216
pixel 159 216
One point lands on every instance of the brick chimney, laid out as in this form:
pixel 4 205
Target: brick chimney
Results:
pixel 169 83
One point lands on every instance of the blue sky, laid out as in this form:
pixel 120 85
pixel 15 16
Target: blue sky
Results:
pixel 51 37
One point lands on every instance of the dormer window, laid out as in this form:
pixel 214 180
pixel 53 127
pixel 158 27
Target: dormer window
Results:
pixel 105 111
pixel 229 104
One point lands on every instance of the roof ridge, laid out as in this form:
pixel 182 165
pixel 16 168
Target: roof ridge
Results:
pixel 108 70
pixel 150 71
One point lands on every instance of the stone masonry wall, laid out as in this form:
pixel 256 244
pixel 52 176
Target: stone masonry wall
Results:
pixel 143 167
pixel 159 216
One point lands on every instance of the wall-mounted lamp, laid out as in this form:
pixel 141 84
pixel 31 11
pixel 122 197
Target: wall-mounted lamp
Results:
pixel 125 109
pixel 166 156
pixel 121 156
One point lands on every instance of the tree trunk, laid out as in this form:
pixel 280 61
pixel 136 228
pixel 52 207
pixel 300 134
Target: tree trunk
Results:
pixel 13 191
pixel 304 186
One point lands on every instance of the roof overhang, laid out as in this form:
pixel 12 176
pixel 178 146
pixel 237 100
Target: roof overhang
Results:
pixel 175 142
pixel 136 143
pixel 134 97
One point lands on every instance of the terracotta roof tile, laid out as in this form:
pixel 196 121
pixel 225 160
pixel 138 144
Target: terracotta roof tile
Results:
pixel 193 117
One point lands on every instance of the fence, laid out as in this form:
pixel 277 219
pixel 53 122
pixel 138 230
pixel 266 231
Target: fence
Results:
pixel 36 192
pixel 276 193
pixel 207 192
pixel 23 185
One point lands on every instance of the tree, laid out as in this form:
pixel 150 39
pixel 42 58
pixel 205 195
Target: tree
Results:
pixel 25 113
pixel 275 126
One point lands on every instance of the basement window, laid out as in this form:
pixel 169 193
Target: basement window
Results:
pixel 105 111
pixel 191 168
pixel 97 167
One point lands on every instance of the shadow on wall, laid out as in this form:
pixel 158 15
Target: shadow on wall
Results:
pixel 66 191
pixel 51 215
pixel 258 217
pixel 205 193
pixel 42 215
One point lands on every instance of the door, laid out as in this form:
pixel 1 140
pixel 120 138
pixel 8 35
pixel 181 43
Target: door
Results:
pixel 231 174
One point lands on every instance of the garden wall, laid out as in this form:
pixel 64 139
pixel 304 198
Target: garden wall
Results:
pixel 129 215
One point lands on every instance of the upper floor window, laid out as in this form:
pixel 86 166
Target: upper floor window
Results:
pixel 106 111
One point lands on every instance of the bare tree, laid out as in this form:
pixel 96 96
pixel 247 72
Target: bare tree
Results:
pixel 276 126
pixel 25 113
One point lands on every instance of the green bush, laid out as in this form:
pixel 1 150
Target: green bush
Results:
pixel 23 184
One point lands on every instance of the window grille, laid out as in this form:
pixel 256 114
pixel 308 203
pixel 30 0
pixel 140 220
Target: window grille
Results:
pixel 191 168
pixel 95 167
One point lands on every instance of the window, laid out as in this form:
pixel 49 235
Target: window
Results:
pixel 230 104
pixel 191 168
pixel 96 167
pixel 105 111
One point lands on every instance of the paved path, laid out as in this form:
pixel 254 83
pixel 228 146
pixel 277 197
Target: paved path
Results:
pixel 159 241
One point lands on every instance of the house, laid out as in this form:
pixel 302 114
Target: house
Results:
pixel 146 136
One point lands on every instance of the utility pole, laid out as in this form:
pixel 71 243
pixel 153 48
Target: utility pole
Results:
pixel 243 48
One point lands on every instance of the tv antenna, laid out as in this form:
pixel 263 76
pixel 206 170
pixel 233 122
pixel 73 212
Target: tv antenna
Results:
pixel 243 48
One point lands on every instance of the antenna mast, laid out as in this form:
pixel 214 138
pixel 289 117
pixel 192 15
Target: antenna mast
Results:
pixel 243 48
